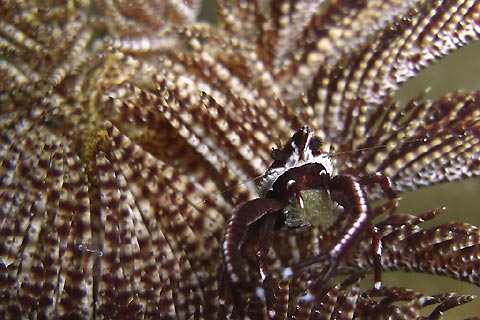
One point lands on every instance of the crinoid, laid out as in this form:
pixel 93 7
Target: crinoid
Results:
pixel 130 132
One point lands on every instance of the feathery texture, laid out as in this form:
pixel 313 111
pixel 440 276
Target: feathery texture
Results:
pixel 129 132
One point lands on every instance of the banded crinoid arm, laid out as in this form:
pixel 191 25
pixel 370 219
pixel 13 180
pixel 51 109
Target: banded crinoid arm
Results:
pixel 426 142
pixel 78 195
pixel 347 299
pixel 294 39
pixel 417 144
pixel 114 197
pixel 365 80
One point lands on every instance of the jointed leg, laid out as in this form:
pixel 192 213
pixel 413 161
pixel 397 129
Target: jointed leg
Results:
pixel 235 233
pixel 348 192
pixel 262 259
pixel 238 224
pixel 382 180
pixel 377 257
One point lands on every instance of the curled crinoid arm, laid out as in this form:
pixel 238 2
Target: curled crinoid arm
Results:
pixel 348 300
pixel 389 300
pixel 450 249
